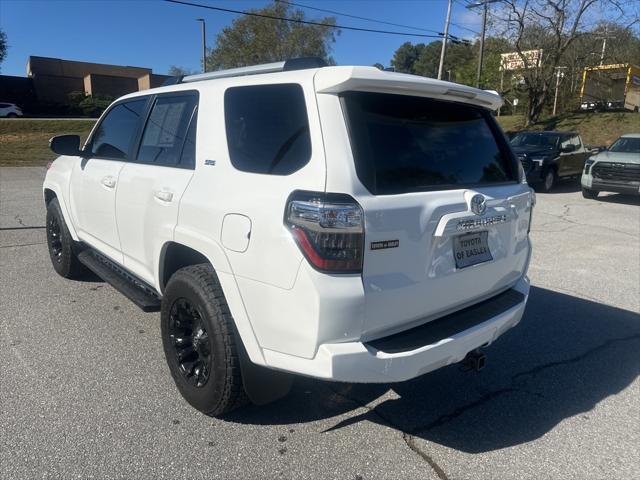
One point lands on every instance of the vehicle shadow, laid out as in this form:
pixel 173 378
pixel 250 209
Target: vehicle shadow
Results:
pixel 568 185
pixel 566 355
pixel 619 198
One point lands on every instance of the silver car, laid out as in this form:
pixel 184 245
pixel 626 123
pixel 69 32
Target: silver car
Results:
pixel 616 169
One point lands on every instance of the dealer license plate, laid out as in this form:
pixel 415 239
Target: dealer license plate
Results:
pixel 471 248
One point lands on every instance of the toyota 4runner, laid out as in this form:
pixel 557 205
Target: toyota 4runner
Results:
pixel 343 223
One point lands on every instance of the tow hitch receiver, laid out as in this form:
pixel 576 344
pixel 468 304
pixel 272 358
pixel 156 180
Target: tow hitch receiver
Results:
pixel 475 360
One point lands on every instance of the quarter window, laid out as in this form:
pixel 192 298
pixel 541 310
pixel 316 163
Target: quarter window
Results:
pixel 112 138
pixel 267 128
pixel 168 138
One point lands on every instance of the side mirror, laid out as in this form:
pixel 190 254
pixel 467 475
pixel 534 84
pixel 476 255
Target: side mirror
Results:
pixel 66 145
pixel 569 148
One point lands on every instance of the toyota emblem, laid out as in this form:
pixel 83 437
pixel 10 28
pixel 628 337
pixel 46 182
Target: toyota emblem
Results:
pixel 478 204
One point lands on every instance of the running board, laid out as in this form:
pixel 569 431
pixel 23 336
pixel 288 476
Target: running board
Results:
pixel 126 283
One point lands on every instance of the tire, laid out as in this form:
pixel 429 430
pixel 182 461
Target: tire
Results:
pixel 12 115
pixel 200 341
pixel 62 248
pixel 590 194
pixel 549 181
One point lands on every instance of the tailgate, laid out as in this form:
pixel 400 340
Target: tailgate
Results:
pixel 417 165
pixel 410 273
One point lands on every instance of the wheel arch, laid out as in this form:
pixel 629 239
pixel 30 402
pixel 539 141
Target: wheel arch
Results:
pixel 185 251
pixel 52 191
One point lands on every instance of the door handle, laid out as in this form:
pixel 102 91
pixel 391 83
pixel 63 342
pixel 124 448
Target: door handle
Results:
pixel 108 181
pixel 163 195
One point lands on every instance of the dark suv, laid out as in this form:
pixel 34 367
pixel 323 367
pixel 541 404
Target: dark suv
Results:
pixel 549 156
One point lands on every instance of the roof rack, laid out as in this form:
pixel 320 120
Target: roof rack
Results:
pixel 285 66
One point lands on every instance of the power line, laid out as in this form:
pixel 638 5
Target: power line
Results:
pixel 465 28
pixel 306 22
pixel 355 16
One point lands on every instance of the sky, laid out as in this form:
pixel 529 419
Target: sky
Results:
pixel 157 35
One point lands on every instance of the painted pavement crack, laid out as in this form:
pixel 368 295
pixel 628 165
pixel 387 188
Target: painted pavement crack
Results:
pixel 409 436
pixel 532 372
pixel 406 437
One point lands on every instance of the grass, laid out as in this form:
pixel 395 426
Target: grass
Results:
pixel 25 142
pixel 594 128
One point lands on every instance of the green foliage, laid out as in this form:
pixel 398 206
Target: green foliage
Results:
pixel 176 71
pixel 428 61
pixel 3 46
pixel 254 40
pixel 406 56
pixel 86 105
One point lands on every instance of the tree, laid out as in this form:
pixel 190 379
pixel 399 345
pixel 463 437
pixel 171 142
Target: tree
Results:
pixel 251 40
pixel 466 70
pixel 428 60
pixel 3 46
pixel 176 71
pixel 406 56
pixel 552 26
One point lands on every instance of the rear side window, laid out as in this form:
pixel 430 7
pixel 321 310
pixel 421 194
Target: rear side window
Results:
pixel 267 128
pixel 406 144
pixel 112 138
pixel 166 135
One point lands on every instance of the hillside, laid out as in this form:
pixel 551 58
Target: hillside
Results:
pixel 595 128
pixel 25 142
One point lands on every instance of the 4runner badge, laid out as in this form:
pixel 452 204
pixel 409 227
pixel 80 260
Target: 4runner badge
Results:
pixel 385 244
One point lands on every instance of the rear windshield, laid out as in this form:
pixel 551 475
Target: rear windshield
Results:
pixel 406 144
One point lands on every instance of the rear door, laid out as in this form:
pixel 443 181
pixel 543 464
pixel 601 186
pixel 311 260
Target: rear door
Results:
pixel 94 179
pixel 446 216
pixel 152 183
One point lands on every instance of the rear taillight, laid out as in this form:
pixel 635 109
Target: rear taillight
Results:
pixel 328 228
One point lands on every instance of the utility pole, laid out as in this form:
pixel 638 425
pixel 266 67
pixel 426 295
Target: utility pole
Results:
pixel 559 75
pixel 604 45
pixel 445 38
pixel 482 34
pixel 204 45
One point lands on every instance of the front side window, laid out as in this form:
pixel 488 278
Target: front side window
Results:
pixel 570 140
pixel 167 132
pixel 404 144
pixel 112 138
pixel 267 128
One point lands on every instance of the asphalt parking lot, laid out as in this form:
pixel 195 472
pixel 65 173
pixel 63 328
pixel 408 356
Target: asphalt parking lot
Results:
pixel 85 392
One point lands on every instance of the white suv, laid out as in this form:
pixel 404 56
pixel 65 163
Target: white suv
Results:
pixel 343 223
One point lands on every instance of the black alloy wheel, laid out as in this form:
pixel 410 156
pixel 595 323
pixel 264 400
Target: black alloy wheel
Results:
pixel 54 237
pixel 62 249
pixel 191 343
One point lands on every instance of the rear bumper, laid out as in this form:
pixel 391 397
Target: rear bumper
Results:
pixel 375 362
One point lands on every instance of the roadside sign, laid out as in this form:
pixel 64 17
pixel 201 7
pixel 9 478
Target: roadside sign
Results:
pixel 515 61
